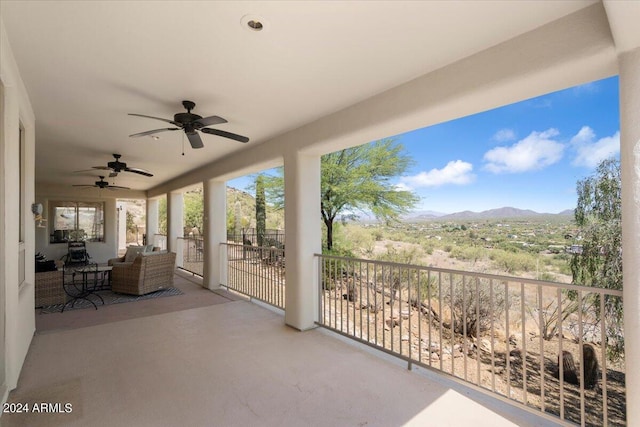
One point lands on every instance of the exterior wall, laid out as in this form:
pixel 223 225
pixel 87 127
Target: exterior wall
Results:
pixel 100 251
pixel 18 298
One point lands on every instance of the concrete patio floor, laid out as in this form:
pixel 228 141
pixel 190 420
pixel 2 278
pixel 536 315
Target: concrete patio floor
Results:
pixel 234 363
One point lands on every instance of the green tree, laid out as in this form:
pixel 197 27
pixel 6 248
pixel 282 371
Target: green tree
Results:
pixel 131 226
pixel 357 179
pixel 194 209
pixel 162 216
pixel 261 210
pixel 599 216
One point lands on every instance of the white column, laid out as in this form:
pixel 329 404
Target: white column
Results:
pixel 630 169
pixel 152 220
pixel 175 227
pixel 121 209
pixel 215 232
pixel 302 238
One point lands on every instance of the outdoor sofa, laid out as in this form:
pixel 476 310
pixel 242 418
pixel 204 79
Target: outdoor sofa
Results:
pixel 148 272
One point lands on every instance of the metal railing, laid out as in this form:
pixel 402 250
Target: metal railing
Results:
pixel 257 272
pixel 249 236
pixel 501 334
pixel 192 254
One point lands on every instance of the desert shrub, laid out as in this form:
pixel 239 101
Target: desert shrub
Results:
pixel 359 240
pixel 545 275
pixel 333 270
pixel 513 262
pixel 468 253
pixel 408 255
pixel 546 314
pixel 473 304
pixel 427 247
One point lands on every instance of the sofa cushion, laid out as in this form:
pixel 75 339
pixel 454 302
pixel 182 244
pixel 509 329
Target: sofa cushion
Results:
pixel 132 253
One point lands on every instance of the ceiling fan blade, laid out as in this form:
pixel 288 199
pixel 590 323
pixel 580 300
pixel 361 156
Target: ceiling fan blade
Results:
pixel 83 185
pixel 151 132
pixel 195 140
pixel 225 134
pixel 156 118
pixel 113 174
pixel 211 120
pixel 139 171
pixel 116 187
pixel 102 168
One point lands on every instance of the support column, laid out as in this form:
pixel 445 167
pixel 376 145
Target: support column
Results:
pixel 175 227
pixel 629 64
pixel 302 238
pixel 215 232
pixel 152 221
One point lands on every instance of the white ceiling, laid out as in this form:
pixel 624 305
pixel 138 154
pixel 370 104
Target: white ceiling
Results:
pixel 87 64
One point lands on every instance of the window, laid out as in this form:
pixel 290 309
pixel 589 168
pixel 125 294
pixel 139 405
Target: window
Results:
pixel 76 221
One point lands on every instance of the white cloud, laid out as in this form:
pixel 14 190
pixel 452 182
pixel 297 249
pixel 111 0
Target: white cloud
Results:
pixel 401 186
pixel 504 135
pixel 589 152
pixel 536 151
pixel 455 172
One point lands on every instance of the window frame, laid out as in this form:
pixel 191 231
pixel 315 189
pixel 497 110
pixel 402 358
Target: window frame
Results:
pixel 71 233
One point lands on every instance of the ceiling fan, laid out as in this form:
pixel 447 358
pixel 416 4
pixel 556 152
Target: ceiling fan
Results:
pixel 102 184
pixel 117 166
pixel 192 123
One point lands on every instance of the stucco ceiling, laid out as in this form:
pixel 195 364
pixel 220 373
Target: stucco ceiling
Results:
pixel 87 64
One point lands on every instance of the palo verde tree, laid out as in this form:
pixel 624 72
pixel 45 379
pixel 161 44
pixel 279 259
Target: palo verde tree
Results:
pixel 358 179
pixel 599 216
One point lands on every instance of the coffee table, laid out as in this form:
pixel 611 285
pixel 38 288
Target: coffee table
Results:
pixel 84 288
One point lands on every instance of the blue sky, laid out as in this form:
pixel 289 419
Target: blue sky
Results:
pixel 527 155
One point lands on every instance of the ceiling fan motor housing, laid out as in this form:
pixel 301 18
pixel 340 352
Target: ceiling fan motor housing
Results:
pixel 117 166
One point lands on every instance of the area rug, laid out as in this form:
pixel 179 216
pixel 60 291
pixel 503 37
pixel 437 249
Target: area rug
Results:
pixel 110 298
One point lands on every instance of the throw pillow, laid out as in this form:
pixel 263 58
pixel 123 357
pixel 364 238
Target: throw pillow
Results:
pixel 132 253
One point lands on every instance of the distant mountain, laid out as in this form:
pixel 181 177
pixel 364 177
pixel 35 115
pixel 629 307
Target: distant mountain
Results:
pixel 567 212
pixel 424 215
pixel 506 212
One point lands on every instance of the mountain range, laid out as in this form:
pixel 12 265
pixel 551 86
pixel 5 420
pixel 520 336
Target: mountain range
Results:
pixel 505 212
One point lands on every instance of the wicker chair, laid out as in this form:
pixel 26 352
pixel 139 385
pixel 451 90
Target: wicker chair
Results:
pixel 50 289
pixel 148 273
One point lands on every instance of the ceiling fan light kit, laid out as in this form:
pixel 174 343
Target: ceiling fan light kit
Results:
pixel 117 166
pixel 191 123
pixel 102 184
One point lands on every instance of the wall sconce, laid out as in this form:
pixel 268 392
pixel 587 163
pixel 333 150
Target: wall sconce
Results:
pixel 36 209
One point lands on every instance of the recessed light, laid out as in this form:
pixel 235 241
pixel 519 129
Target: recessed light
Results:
pixel 155 137
pixel 253 23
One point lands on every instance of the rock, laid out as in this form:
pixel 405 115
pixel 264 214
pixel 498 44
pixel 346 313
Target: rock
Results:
pixel 513 340
pixel 392 322
pixel 485 345
pixel 404 314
